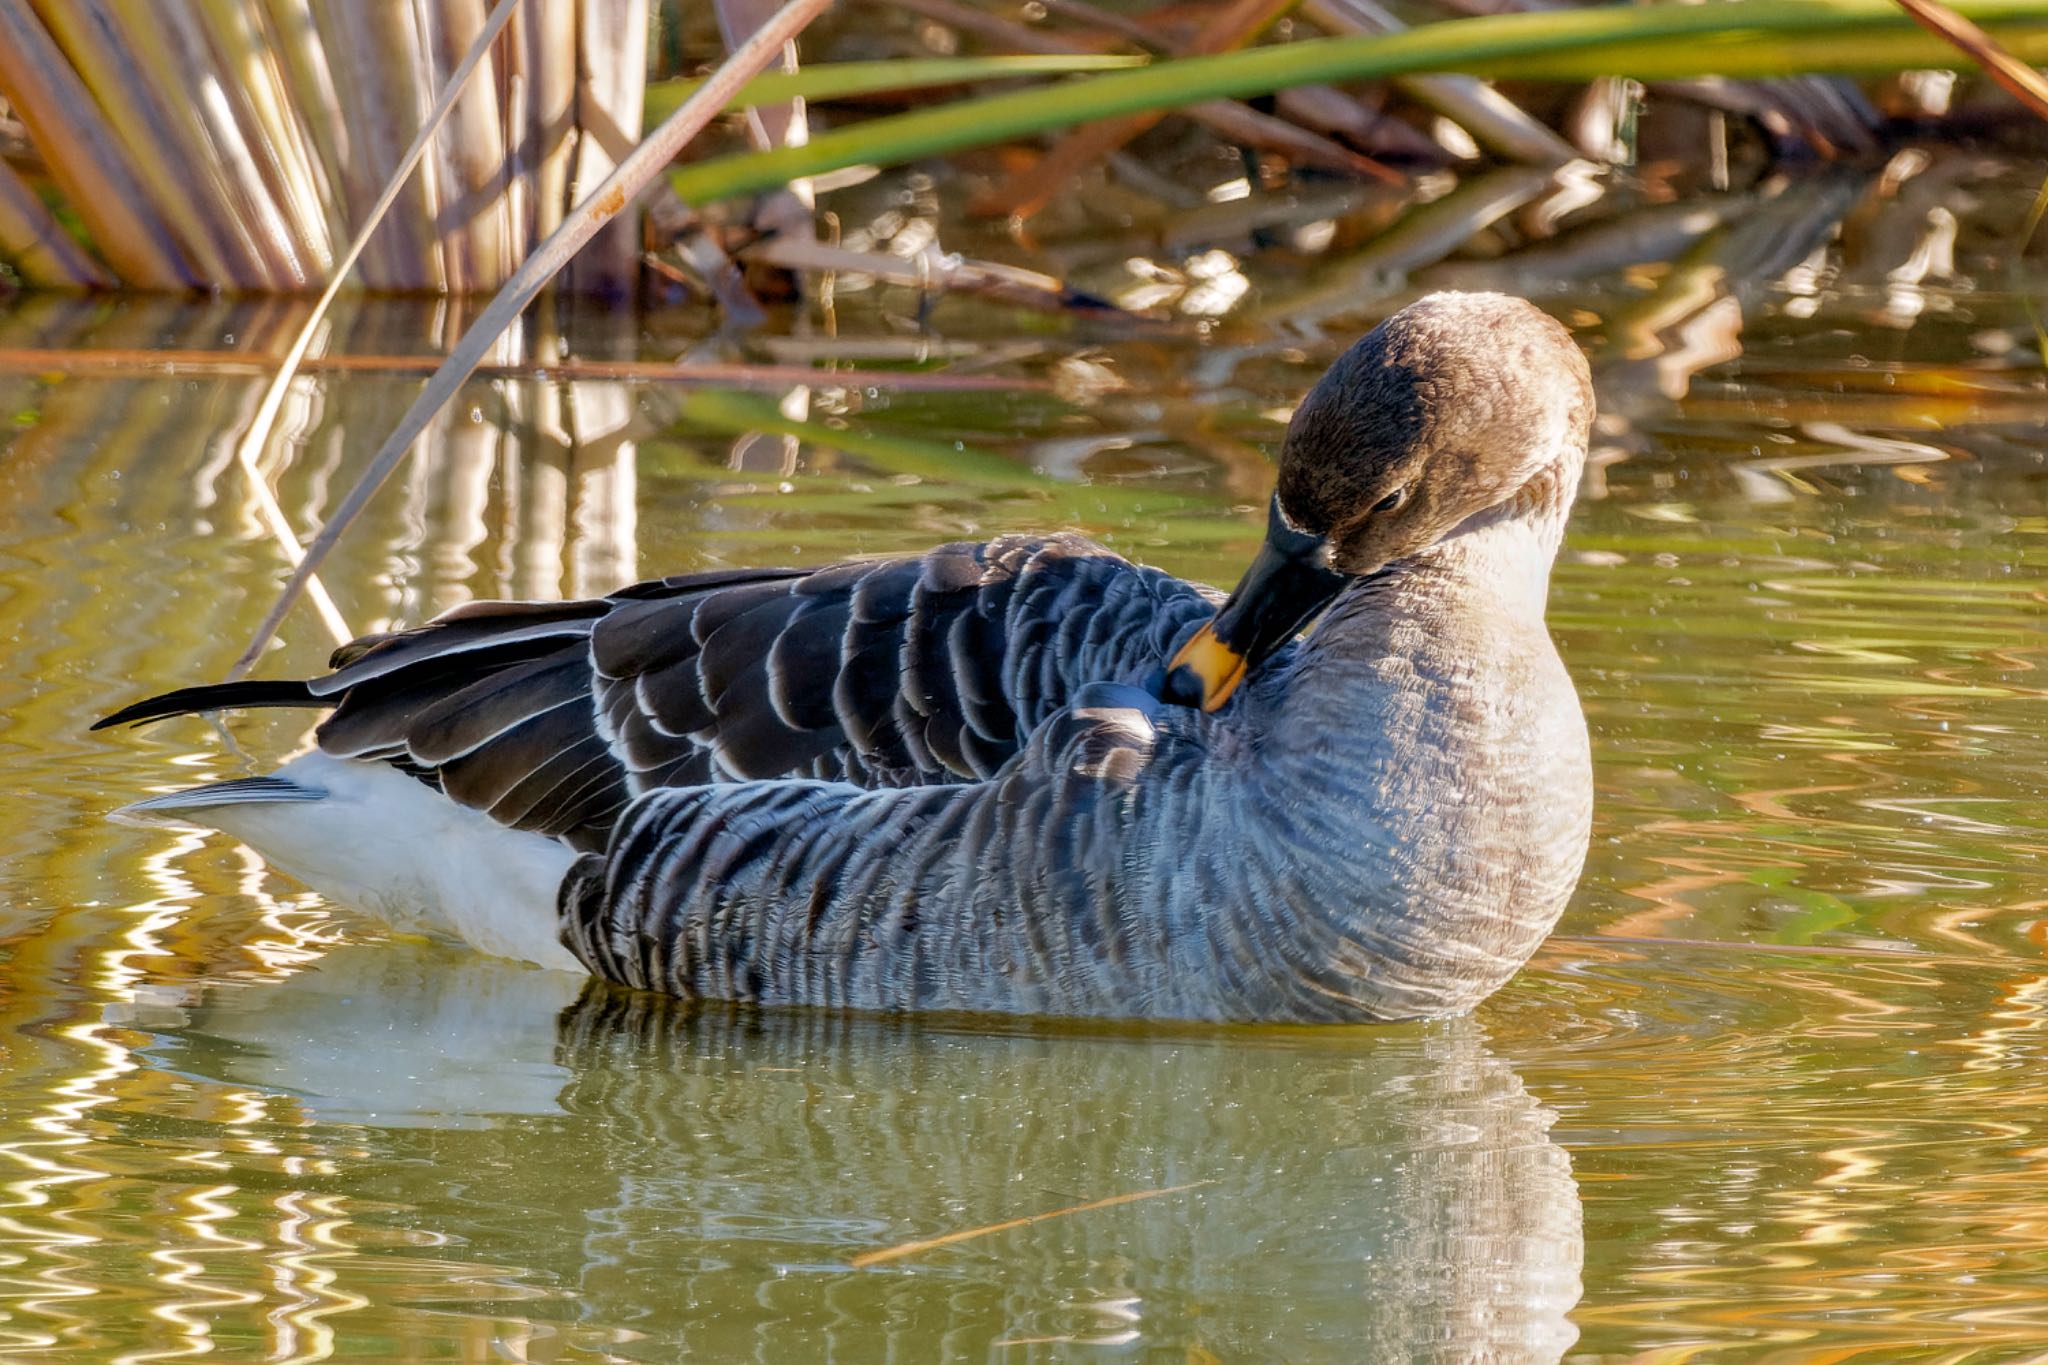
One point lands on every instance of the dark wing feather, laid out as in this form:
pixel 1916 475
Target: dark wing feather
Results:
pixel 887 673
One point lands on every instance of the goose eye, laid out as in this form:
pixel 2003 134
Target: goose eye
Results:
pixel 1391 500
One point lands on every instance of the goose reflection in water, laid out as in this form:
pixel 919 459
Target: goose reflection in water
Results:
pixel 715 1182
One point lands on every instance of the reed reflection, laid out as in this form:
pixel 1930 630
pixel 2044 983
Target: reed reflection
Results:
pixel 524 487
pixel 716 1182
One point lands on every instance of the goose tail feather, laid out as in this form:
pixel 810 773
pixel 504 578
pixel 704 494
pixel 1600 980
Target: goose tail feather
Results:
pixel 214 697
pixel 176 807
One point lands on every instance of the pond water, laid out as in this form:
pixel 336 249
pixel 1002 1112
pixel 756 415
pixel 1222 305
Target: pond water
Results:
pixel 1776 1088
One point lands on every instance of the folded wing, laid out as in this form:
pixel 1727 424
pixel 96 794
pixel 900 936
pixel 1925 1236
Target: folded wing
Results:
pixel 884 673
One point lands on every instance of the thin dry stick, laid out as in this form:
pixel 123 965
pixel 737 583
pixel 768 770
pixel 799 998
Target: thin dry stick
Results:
pixel 1232 120
pixel 1028 191
pixel 602 205
pixel 252 442
pixel 2020 81
pixel 1494 121
pixel 157 364
pixel 902 1249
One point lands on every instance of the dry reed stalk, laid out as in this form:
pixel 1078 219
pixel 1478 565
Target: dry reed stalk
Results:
pixel 774 125
pixel 249 54
pixel 163 362
pixel 2018 79
pixel 1494 121
pixel 444 181
pixel 375 54
pixel 1024 194
pixel 192 76
pixel 1229 119
pixel 249 449
pixel 603 203
pixel 1322 110
pixel 39 247
pixel 85 156
pixel 413 65
pixel 1244 124
pixel 1232 120
pixel 123 54
pixel 785 213
pixel 515 101
pixel 315 107
pixel 550 64
pixel 1094 16
pixel 1007 34
pixel 611 62
pixel 332 33
pixel 474 143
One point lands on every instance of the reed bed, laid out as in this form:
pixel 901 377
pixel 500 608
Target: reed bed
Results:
pixel 236 144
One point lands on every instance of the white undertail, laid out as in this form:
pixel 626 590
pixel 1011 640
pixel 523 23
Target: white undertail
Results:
pixel 366 836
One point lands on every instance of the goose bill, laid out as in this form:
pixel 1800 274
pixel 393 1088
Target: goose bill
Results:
pixel 1286 585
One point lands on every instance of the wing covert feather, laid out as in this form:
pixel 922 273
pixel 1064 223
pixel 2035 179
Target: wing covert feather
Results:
pixel 927 671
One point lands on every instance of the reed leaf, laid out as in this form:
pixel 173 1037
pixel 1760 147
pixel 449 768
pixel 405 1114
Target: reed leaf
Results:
pixel 1742 38
pixel 839 80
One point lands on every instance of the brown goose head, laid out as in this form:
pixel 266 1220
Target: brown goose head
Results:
pixel 1459 411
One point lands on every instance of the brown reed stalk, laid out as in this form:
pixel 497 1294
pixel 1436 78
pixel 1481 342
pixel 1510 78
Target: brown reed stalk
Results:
pixel 40 249
pixel 248 55
pixel 85 156
pixel 550 64
pixel 316 107
pixel 125 59
pixel 473 146
pixel 373 53
pixel 193 79
pixel 611 57
pixel 603 203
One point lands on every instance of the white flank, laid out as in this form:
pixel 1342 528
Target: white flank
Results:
pixel 378 841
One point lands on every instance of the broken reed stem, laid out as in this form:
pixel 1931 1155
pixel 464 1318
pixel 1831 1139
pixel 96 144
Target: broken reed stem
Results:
pixel 280 528
pixel 1031 189
pixel 250 447
pixel 163 363
pixel 923 1244
pixel 2018 79
pixel 603 204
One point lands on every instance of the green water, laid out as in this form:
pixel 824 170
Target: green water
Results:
pixel 1774 1091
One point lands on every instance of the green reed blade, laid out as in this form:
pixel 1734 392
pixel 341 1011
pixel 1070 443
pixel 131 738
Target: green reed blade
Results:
pixel 1738 38
pixel 838 80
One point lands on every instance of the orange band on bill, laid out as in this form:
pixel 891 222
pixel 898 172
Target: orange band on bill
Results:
pixel 1219 667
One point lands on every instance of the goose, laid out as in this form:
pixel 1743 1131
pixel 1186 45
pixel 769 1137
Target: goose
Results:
pixel 1025 776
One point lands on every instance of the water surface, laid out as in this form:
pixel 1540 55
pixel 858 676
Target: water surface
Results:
pixel 1774 1089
